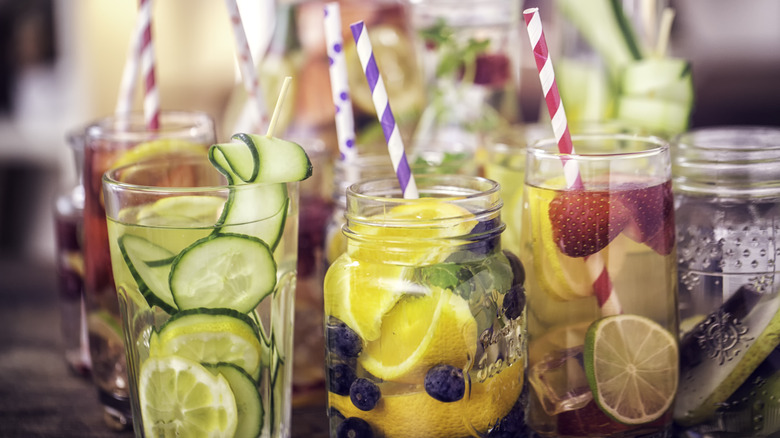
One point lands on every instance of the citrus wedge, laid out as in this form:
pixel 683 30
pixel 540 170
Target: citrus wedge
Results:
pixel 159 148
pixel 632 367
pixel 420 415
pixel 419 333
pixel 179 397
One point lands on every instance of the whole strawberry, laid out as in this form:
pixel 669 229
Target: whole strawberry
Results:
pixel 584 222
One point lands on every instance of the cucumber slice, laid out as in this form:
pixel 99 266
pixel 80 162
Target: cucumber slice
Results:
pixel 664 78
pixel 150 266
pixel 230 271
pixel 655 115
pixel 261 159
pixel 256 210
pixel 212 336
pixel 604 25
pixel 249 405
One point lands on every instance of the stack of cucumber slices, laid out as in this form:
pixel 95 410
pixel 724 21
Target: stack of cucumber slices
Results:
pixel 654 92
pixel 206 363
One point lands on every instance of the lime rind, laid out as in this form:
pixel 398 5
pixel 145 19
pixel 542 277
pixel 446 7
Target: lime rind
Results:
pixel 631 363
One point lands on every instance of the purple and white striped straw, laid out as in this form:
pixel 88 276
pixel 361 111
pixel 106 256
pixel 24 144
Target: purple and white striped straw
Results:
pixel 339 86
pixel 395 144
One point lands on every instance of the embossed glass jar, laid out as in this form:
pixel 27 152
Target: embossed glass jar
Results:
pixel 727 208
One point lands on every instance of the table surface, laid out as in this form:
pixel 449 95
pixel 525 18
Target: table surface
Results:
pixel 39 395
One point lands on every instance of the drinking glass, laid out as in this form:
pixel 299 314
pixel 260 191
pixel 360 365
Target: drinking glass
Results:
pixel 727 200
pixel 425 313
pixel 601 287
pixel 69 235
pixel 109 142
pixel 205 276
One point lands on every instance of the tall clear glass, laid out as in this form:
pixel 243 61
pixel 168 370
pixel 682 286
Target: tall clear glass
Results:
pixel 602 297
pixel 206 300
pixel 727 200
pixel 425 314
pixel 110 142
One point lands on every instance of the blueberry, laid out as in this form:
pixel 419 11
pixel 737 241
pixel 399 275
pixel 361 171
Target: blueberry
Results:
pixel 354 427
pixel 487 237
pixel 513 424
pixel 364 394
pixel 514 302
pixel 343 341
pixel 517 268
pixel 340 378
pixel 445 383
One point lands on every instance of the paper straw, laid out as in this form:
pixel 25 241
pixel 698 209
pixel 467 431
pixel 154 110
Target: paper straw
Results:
pixel 339 87
pixel 124 102
pixel 393 139
pixel 151 93
pixel 602 284
pixel 247 65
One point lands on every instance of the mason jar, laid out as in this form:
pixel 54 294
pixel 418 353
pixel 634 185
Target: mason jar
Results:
pixel 727 206
pixel 425 313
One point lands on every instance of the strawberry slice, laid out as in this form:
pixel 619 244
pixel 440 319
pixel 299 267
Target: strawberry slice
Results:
pixel 649 208
pixel 663 241
pixel 584 222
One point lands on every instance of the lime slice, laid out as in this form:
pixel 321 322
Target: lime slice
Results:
pixel 190 211
pixel 158 148
pixel 212 336
pixel 632 367
pixel 420 333
pixel 179 397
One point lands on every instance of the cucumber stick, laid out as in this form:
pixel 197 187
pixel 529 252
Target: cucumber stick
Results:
pixel 604 25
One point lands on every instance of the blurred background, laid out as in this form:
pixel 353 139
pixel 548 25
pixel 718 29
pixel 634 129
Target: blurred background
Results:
pixel 61 62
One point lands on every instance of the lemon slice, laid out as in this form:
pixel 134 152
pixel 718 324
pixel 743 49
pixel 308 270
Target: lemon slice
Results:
pixel 420 415
pixel 408 231
pixel 158 148
pixel 632 367
pixel 179 397
pixel 419 333
pixel 359 293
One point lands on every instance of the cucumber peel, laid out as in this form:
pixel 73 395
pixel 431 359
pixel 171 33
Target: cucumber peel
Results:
pixel 258 158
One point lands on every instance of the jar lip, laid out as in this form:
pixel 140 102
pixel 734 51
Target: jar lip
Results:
pixel 548 147
pixel 730 138
pixel 427 185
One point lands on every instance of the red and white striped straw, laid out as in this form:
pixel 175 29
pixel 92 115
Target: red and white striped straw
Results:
pixel 151 93
pixel 602 284
pixel 247 66
pixel 339 85
pixel 395 144
pixel 124 102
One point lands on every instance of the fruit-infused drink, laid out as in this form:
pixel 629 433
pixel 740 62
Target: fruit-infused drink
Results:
pixel 204 264
pixel 425 314
pixel 110 142
pixel 602 299
pixel 727 204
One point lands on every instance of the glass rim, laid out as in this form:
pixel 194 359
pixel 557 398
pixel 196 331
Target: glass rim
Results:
pixel 548 148
pixel 131 127
pixel 110 177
